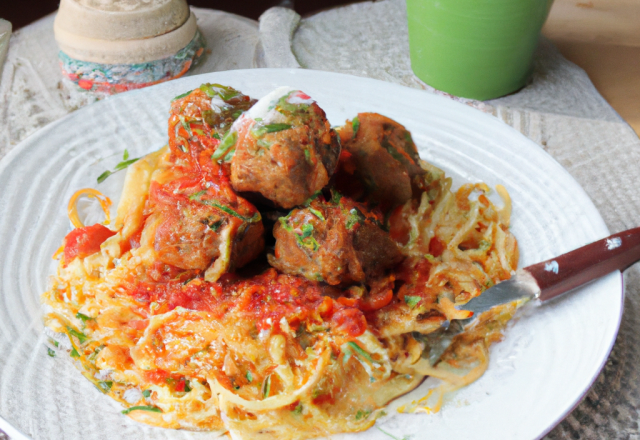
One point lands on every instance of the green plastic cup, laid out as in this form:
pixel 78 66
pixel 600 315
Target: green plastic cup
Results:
pixel 480 49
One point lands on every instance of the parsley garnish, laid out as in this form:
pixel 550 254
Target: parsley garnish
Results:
pixel 306 239
pixel 121 166
pixel 51 352
pixel 228 141
pixel 181 95
pixel 142 408
pixel 355 124
pixel 412 301
pixel 259 130
pixel 317 213
pixel 355 217
pixel 224 92
pixel 198 198
pixel 362 414
pixel 249 376
pixel 105 386
pixel 312 198
pixel 360 352
pixel 81 337
pixel 266 388
pixel 84 318
pixel 74 353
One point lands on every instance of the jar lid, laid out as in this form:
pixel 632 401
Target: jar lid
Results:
pixel 121 19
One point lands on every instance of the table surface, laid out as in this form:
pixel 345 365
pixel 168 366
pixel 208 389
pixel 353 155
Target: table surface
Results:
pixel 560 110
pixel 602 37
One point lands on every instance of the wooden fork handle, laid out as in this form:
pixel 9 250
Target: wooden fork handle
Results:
pixel 573 269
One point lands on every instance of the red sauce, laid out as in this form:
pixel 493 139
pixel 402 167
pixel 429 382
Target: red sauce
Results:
pixel 265 299
pixel 85 241
pixel 436 247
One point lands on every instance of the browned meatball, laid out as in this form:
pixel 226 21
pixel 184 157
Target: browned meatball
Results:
pixel 339 242
pixel 285 149
pixel 196 227
pixel 379 163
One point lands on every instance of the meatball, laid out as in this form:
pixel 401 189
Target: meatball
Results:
pixel 285 149
pixel 199 119
pixel 379 163
pixel 208 229
pixel 338 242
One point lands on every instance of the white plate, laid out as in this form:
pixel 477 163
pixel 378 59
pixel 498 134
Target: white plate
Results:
pixel 544 366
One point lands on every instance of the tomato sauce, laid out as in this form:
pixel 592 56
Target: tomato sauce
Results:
pixel 85 241
pixel 265 299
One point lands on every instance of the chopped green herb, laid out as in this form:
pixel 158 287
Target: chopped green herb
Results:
pixel 307 230
pixel 266 387
pixel 412 301
pixel 228 141
pixel 105 386
pixel 264 144
pixel 146 394
pixel 306 239
pixel 84 318
pixel 355 217
pixel 142 408
pixel 259 130
pixel 362 414
pixel 360 352
pixel 249 376
pixel 74 353
pixel 216 136
pixel 317 213
pixel 224 92
pixel 51 352
pixel 307 156
pixel 236 115
pixel 197 197
pixel 229 155
pixel 121 166
pixel 273 128
pixel 430 258
pixel 81 337
pixel 56 343
pixel 215 226
pixel 186 125
pixel 298 409
pixel 355 124
pixel 312 198
pixel 335 197
pixel 182 95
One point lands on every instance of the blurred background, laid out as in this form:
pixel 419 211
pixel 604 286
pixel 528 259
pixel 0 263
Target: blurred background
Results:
pixel 23 12
pixel 601 36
